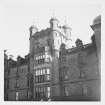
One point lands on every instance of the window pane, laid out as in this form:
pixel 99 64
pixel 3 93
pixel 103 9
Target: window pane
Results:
pixel 48 88
pixel 41 89
pixel 66 91
pixel 38 72
pixel 34 66
pixel 48 77
pixel 17 83
pixel 36 79
pixel 17 95
pixel 48 95
pixel 85 90
pixel 48 92
pixel 43 56
pixel 36 58
pixel 36 89
pixel 43 71
pixel 48 71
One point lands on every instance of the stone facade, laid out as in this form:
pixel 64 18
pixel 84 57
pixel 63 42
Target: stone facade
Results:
pixel 17 77
pixel 79 72
pixel 44 60
pixel 52 71
pixel 5 75
pixel 96 27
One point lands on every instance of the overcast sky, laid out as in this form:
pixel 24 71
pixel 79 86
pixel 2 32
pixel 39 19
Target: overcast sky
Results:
pixel 18 15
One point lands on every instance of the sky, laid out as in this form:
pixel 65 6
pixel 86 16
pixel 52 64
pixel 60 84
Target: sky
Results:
pixel 18 15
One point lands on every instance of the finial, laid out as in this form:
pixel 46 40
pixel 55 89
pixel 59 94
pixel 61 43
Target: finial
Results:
pixel 53 14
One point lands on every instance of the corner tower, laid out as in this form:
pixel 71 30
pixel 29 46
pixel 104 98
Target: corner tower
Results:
pixel 32 30
pixel 54 23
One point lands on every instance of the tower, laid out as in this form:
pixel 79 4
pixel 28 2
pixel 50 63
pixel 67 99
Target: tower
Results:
pixel 58 37
pixel 96 27
pixel 55 35
pixel 67 31
pixel 54 23
pixel 44 58
pixel 33 29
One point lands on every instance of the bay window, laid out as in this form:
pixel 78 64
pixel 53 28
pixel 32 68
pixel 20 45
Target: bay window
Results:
pixel 42 75
pixel 42 92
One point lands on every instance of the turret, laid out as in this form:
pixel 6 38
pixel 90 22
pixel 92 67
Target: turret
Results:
pixel 54 23
pixel 33 29
pixel 67 31
pixel 96 27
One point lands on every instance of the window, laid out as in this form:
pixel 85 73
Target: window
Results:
pixel 42 75
pixel 66 77
pixel 40 92
pixel 34 65
pixel 47 58
pixel 46 48
pixel 42 58
pixel 39 57
pixel 66 91
pixel 17 96
pixel 64 59
pixel 36 73
pixel 82 74
pixel 48 71
pixel 48 92
pixel 17 83
pixel 65 74
pixel 85 90
pixel 38 79
pixel 41 72
pixel 48 88
pixel 28 82
pixel 47 77
pixel 36 58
